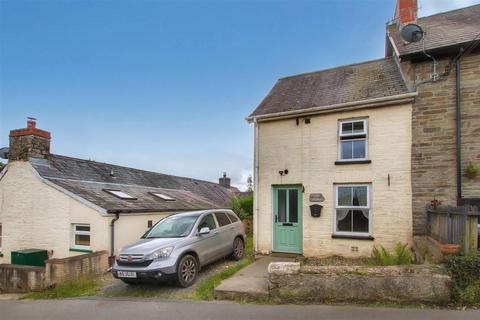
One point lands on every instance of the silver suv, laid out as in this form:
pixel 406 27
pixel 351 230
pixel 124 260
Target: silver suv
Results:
pixel 177 247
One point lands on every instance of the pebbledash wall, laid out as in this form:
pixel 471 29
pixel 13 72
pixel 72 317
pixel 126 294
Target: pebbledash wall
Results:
pixel 433 124
pixel 309 152
pixel 34 214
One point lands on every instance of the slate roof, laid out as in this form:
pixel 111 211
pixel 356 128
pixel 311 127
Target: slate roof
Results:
pixel 443 30
pixel 350 83
pixel 88 179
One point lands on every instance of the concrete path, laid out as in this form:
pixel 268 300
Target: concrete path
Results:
pixel 154 309
pixel 249 282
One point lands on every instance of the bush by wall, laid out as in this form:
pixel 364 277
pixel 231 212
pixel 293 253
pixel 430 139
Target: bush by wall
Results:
pixel 465 273
pixel 382 257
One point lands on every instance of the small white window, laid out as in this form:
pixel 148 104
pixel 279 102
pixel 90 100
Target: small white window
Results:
pixel 120 194
pixel 353 142
pixel 163 196
pixel 352 209
pixel 81 236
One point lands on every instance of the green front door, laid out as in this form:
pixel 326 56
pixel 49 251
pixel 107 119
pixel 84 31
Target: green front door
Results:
pixel 287 219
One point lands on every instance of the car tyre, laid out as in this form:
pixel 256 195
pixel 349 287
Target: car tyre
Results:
pixel 187 271
pixel 238 249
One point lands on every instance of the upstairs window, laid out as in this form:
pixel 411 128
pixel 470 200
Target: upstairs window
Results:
pixel 120 194
pixel 353 140
pixel 163 196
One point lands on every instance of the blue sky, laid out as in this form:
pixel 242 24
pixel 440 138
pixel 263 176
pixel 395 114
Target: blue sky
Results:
pixel 165 86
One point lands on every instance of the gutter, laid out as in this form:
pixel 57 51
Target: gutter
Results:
pixel 347 106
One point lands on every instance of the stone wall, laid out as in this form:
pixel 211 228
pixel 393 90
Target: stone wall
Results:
pixel 433 134
pixel 411 284
pixel 71 268
pixel 19 278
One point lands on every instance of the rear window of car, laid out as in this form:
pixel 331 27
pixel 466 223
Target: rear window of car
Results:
pixel 222 219
pixel 233 217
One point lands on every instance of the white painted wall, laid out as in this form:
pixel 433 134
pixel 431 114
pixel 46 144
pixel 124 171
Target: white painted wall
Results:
pixel 309 152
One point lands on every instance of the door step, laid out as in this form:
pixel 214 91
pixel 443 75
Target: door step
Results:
pixel 286 255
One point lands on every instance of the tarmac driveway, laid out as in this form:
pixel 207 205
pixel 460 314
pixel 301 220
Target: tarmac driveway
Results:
pixel 117 288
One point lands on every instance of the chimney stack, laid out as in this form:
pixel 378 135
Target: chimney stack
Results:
pixel 406 11
pixel 29 142
pixel 224 181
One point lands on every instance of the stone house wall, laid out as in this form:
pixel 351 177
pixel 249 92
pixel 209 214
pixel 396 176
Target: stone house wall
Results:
pixel 433 134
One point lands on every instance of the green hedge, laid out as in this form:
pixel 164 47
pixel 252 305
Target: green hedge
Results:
pixel 465 272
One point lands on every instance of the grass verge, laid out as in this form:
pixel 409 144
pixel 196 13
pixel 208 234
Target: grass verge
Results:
pixel 77 288
pixel 205 288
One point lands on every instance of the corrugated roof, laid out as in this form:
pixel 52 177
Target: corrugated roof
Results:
pixel 350 83
pixel 88 179
pixel 443 30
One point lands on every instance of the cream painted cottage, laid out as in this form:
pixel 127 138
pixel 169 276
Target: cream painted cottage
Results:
pixel 70 206
pixel 337 140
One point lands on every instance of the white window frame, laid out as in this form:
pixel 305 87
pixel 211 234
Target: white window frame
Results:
pixel 162 196
pixel 80 232
pixel 346 135
pixel 368 206
pixel 120 194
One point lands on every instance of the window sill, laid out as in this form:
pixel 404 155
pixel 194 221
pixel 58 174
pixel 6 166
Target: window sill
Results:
pixel 81 250
pixel 355 237
pixel 341 162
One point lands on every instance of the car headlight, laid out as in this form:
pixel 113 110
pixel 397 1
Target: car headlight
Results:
pixel 160 254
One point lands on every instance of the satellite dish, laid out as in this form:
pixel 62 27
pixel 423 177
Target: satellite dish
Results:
pixel 412 33
pixel 4 153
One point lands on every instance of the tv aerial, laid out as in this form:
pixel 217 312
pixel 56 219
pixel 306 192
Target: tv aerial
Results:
pixel 412 33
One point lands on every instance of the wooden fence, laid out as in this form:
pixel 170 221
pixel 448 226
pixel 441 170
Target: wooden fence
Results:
pixel 454 225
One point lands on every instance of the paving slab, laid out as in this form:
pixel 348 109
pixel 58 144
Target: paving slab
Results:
pixel 250 282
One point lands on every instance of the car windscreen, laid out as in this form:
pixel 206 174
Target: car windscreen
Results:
pixel 172 227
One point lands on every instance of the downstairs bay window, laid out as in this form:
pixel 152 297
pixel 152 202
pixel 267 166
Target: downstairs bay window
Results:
pixel 352 210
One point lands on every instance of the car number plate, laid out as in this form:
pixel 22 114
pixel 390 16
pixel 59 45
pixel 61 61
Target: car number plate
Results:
pixel 126 274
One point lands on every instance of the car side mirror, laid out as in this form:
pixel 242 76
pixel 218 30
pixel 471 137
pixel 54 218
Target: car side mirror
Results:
pixel 204 230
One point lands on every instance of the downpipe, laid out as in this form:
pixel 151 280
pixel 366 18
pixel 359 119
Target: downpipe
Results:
pixel 112 239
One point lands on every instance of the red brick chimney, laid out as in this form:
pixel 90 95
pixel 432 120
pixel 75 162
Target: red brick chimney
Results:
pixel 406 11
pixel 29 142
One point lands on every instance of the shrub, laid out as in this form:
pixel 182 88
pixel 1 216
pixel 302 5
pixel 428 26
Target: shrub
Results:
pixel 465 272
pixel 242 206
pixel 382 257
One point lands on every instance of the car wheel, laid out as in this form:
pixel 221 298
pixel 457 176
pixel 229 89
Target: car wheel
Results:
pixel 187 271
pixel 238 249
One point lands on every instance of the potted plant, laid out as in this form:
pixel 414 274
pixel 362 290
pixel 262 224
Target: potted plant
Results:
pixel 472 170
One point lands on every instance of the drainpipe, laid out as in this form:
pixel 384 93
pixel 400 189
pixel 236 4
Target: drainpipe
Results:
pixel 255 185
pixel 112 234
pixel 458 132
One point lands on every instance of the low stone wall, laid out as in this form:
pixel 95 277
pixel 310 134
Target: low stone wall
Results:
pixel 290 282
pixel 428 250
pixel 18 278
pixel 71 268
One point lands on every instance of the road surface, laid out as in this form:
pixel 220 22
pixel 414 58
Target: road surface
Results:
pixel 144 309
